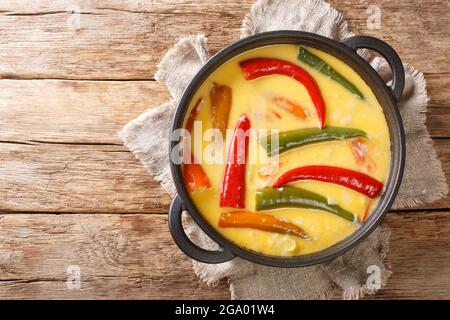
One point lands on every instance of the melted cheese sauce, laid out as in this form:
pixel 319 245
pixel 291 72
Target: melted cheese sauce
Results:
pixel 343 109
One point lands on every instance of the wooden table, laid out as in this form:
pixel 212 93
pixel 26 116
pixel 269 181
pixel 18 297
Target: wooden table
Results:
pixel 72 196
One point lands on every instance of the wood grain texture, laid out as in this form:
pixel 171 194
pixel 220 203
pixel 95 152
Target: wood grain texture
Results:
pixel 419 256
pixel 83 112
pixel 116 255
pixel 125 39
pixel 74 178
pixel 120 257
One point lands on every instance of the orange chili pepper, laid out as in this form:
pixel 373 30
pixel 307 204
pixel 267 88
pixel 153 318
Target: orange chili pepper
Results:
pixel 220 106
pixel 195 177
pixel 261 221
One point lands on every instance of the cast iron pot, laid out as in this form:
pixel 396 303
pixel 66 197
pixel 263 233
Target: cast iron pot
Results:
pixel 388 96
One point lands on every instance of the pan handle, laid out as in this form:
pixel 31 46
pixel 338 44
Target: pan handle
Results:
pixel 395 63
pixel 185 244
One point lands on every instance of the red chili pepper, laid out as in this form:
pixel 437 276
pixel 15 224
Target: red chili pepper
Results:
pixel 233 184
pixel 259 67
pixel 351 179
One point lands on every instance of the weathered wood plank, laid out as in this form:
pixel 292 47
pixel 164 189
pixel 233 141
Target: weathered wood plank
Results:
pixel 416 242
pixel 73 111
pixel 73 178
pixel 95 178
pixel 133 257
pixel 104 40
pixel 125 39
pixel 119 256
pixel 419 255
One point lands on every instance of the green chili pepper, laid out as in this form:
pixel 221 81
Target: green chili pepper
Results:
pixel 320 65
pixel 275 198
pixel 288 140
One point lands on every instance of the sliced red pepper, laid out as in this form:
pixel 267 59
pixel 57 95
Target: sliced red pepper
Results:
pixel 260 67
pixel 290 107
pixel 355 180
pixel 193 115
pixel 233 184
pixel 260 221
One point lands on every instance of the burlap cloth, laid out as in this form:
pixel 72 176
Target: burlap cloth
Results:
pixel 423 182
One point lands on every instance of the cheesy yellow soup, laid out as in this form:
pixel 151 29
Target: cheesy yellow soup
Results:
pixel 314 164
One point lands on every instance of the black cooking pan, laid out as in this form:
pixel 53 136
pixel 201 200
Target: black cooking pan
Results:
pixel 388 96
